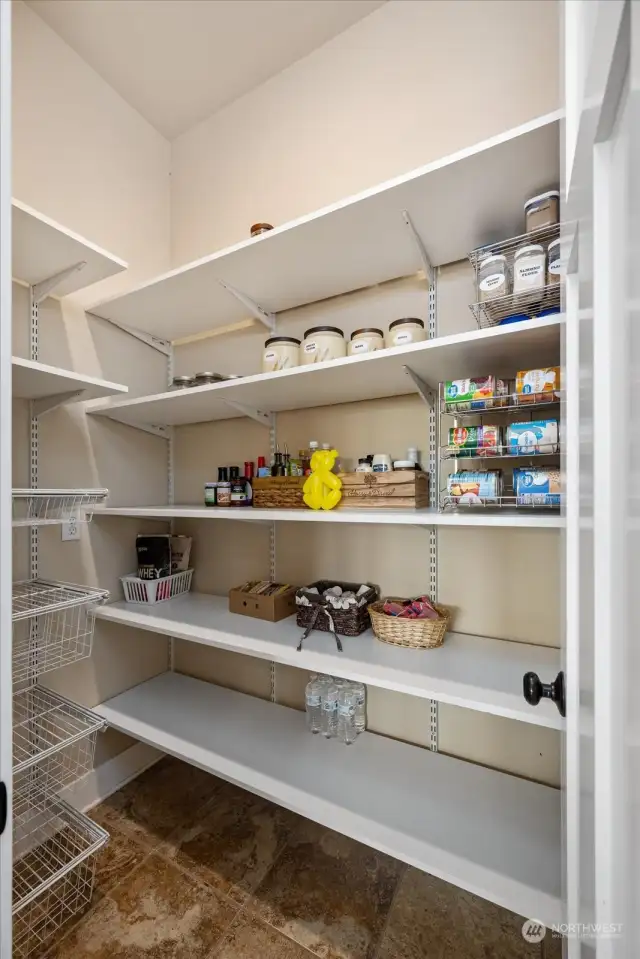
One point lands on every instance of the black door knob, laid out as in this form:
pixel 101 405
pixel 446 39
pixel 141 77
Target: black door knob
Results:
pixel 535 690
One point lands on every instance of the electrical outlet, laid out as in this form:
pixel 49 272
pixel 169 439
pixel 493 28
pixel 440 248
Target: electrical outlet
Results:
pixel 70 529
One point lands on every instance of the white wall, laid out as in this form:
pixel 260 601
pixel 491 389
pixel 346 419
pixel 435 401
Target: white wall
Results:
pixel 413 81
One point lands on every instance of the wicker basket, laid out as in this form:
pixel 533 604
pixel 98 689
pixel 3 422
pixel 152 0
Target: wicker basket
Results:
pixel 347 622
pixel 412 633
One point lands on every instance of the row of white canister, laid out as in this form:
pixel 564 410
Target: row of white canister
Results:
pixel 322 343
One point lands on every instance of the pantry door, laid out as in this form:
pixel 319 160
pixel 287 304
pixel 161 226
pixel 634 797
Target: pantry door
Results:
pixel 5 478
pixel 601 216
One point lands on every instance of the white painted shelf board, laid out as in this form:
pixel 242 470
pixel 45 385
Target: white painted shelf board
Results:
pixel 33 381
pixel 41 248
pixel 503 350
pixel 521 519
pixel 492 834
pixel 456 203
pixel 470 671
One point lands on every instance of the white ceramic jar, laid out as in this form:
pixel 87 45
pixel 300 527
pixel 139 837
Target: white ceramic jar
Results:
pixel 280 353
pixel 405 331
pixel 322 343
pixel 367 340
pixel 529 268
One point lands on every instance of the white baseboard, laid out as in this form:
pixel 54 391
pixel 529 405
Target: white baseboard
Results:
pixel 97 785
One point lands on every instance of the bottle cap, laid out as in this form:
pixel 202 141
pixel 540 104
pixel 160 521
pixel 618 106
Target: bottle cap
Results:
pixel 313 445
pixel 261 462
pixel 223 476
pixel 404 465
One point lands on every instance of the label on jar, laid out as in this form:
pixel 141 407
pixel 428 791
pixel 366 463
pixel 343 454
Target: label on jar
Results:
pixel 529 274
pixel 492 282
pixel 311 347
pixel 270 356
pixel 224 495
pixel 360 346
pixel 555 266
pixel 381 468
pixel 401 338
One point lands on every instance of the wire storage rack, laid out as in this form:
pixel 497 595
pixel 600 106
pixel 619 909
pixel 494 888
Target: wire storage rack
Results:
pixel 54 866
pixel 53 626
pixel 47 507
pixel 525 304
pixel 53 739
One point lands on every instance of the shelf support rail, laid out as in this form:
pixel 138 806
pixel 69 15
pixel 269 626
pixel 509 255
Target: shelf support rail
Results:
pixel 417 239
pixel 266 419
pixel 434 485
pixel 155 342
pixel 48 403
pixel 427 393
pixel 39 291
pixel 268 319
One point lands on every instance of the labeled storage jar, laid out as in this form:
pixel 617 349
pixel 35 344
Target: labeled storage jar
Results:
pixel 280 353
pixel 408 330
pixel 493 277
pixel 322 343
pixel 555 269
pixel 542 210
pixel 529 268
pixel 367 340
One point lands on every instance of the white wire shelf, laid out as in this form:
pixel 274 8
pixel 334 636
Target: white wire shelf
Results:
pixel 498 452
pixel 502 403
pixel 47 507
pixel 52 737
pixel 532 303
pixel 53 870
pixel 53 626
pixel 543 237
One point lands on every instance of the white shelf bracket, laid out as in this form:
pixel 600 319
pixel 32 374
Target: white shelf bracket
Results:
pixel 163 431
pixel 48 403
pixel 417 239
pixel 39 291
pixel 268 319
pixel 155 342
pixel 427 392
pixel 266 419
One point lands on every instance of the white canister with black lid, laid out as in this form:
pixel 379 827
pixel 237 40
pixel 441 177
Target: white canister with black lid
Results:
pixel 367 340
pixel 403 332
pixel 322 343
pixel 280 353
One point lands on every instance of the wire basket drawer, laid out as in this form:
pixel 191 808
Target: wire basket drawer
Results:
pixel 149 591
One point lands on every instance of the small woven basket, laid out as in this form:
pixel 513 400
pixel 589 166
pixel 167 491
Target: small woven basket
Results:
pixel 412 633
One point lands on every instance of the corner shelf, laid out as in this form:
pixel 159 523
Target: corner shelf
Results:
pixel 470 671
pixel 51 386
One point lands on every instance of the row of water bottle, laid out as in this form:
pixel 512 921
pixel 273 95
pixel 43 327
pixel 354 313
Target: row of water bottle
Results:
pixel 336 708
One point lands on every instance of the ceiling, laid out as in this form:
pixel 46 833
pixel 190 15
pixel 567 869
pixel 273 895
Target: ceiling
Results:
pixel 178 61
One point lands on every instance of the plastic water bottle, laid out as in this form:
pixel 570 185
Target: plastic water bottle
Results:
pixel 361 706
pixel 330 711
pixel 313 701
pixel 347 704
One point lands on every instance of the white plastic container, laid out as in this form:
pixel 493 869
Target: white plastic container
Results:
pixel 493 277
pixel 555 266
pixel 529 268
pixel 381 463
pixel 542 210
pixel 367 340
pixel 322 343
pixel 149 591
pixel 408 330
pixel 280 353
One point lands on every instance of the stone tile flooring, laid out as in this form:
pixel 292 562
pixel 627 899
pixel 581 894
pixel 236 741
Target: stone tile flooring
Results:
pixel 199 869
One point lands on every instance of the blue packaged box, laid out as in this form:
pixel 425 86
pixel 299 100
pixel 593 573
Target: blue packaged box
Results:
pixel 537 487
pixel 535 437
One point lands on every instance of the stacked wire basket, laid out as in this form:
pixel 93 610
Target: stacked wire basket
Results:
pixel 54 740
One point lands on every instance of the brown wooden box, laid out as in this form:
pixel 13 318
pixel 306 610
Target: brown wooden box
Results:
pixel 278 492
pixel 398 489
pixel 271 608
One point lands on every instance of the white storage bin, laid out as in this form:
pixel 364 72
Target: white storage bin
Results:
pixel 149 591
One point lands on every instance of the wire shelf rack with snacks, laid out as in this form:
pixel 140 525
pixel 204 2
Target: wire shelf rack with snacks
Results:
pixel 54 865
pixel 50 507
pixel 53 625
pixel 518 278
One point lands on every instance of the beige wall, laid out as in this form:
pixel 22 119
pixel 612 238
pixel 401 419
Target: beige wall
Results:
pixel 414 81
pixel 82 156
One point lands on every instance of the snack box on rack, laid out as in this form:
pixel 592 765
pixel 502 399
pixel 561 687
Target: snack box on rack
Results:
pixel 474 394
pixel 474 440
pixel 537 385
pixel 538 436
pixel 537 486
pixel 469 487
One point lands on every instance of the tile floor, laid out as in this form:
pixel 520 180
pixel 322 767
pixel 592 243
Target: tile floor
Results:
pixel 199 869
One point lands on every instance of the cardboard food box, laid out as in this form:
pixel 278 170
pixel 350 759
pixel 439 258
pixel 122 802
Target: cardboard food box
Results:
pixel 278 492
pixel 271 608
pixel 398 489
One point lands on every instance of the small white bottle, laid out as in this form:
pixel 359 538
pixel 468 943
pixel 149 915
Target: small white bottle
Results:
pixel 330 712
pixel 381 463
pixel 347 700
pixel 313 702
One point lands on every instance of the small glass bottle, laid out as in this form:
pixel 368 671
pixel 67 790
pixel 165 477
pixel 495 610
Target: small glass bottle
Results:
pixel 347 700
pixel 238 489
pixel 249 472
pixel 313 701
pixel 330 712
pixel 223 488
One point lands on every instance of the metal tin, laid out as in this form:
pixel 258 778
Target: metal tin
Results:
pixel 182 382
